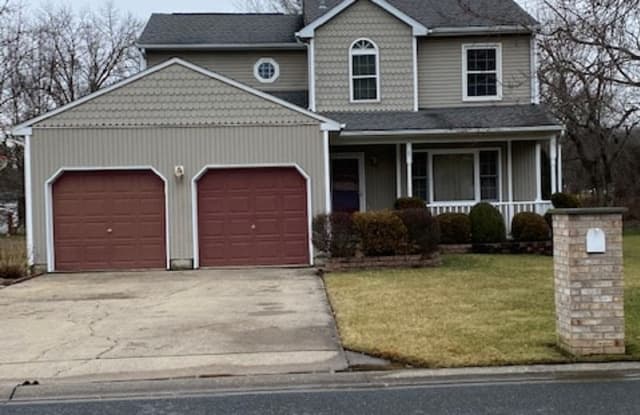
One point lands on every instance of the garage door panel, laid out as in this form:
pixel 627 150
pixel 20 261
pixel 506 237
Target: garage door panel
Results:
pixel 106 220
pixel 259 205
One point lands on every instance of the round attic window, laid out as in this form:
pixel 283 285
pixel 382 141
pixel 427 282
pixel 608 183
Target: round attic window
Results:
pixel 266 70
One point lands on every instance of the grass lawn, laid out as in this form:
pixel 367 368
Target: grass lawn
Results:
pixel 474 310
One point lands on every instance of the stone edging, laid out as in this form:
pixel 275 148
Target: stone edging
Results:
pixel 384 262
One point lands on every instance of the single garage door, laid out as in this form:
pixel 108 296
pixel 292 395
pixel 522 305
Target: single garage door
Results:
pixel 253 217
pixel 109 220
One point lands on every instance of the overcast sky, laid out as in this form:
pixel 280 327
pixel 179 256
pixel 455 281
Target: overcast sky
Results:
pixel 143 8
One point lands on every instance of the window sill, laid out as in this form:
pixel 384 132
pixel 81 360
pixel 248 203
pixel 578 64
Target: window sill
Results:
pixel 482 99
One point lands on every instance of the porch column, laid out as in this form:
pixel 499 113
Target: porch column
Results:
pixel 510 180
pixel 398 171
pixel 560 178
pixel 553 154
pixel 538 172
pixel 409 169
pixel 328 205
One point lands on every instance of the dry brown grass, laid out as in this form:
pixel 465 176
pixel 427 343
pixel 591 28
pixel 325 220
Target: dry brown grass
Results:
pixel 474 310
pixel 13 258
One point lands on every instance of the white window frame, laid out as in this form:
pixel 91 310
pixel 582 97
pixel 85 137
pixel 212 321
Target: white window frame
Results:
pixel 476 170
pixel 276 73
pixel 465 72
pixel 353 52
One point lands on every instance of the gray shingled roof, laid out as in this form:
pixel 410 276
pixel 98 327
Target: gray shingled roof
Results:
pixel 444 13
pixel 512 116
pixel 219 28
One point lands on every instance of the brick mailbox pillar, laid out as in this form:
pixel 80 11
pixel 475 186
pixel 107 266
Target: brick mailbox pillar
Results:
pixel 588 269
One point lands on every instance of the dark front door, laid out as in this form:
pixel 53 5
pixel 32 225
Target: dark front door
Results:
pixel 345 185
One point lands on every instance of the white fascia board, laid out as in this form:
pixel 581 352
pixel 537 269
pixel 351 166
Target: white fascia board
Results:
pixel 309 30
pixel 21 131
pixel 178 61
pixel 482 30
pixel 224 46
pixel 364 133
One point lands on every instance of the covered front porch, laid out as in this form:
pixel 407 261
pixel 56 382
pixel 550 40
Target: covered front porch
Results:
pixel 516 173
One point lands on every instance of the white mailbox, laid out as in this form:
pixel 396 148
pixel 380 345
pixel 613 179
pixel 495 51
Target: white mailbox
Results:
pixel 596 241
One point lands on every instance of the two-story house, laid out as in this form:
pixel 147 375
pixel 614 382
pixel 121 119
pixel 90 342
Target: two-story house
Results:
pixel 245 126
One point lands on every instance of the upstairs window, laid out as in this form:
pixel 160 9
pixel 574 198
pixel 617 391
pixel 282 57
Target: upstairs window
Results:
pixel 266 70
pixel 482 72
pixel 364 67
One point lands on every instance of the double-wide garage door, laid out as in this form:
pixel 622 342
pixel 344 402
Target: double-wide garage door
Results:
pixel 252 216
pixel 110 220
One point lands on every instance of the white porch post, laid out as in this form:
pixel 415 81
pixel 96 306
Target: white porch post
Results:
pixel 409 154
pixel 398 172
pixel 538 172
pixel 327 175
pixel 553 154
pixel 560 178
pixel 510 182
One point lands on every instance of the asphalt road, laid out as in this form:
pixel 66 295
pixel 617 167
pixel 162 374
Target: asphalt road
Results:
pixel 571 397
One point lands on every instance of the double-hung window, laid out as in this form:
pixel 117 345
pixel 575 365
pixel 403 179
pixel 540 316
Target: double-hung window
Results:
pixel 482 72
pixel 364 70
pixel 460 176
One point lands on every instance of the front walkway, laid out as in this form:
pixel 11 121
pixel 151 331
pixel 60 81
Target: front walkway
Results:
pixel 148 325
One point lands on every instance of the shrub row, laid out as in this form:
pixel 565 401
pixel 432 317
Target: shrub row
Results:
pixel 412 230
pixel 378 233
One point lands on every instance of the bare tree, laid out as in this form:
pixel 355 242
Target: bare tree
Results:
pixel 53 57
pixel 264 6
pixel 589 82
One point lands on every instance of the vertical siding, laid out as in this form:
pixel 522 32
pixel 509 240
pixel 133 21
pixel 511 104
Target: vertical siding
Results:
pixel 239 65
pixel 332 43
pixel 524 171
pixel 440 70
pixel 164 148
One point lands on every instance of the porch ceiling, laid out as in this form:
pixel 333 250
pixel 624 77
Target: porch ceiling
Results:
pixel 507 117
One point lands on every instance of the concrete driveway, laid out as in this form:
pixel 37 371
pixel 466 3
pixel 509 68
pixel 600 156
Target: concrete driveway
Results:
pixel 110 326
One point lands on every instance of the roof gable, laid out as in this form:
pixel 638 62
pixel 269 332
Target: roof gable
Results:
pixel 438 14
pixel 177 93
pixel 309 30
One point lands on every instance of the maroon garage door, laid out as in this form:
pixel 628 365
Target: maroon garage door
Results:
pixel 109 220
pixel 253 217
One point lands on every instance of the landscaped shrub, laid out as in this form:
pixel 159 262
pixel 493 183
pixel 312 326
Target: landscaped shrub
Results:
pixel 335 234
pixel 381 233
pixel 564 201
pixel 455 228
pixel 423 231
pixel 410 203
pixel 529 227
pixel 487 224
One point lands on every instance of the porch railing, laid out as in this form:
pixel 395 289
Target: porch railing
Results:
pixel 508 209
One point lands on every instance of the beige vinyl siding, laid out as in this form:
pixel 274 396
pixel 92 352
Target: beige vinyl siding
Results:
pixel 176 96
pixel 394 41
pixel 440 70
pixel 238 65
pixel 524 171
pixel 165 148
pixel 379 172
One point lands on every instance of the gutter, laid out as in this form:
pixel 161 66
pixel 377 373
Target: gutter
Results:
pixel 365 133
pixel 222 46
pixel 483 30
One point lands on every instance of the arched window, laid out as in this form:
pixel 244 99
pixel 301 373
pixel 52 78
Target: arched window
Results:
pixel 364 71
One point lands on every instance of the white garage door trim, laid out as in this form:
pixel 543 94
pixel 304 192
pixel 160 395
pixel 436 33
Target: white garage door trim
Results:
pixel 48 200
pixel 194 201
